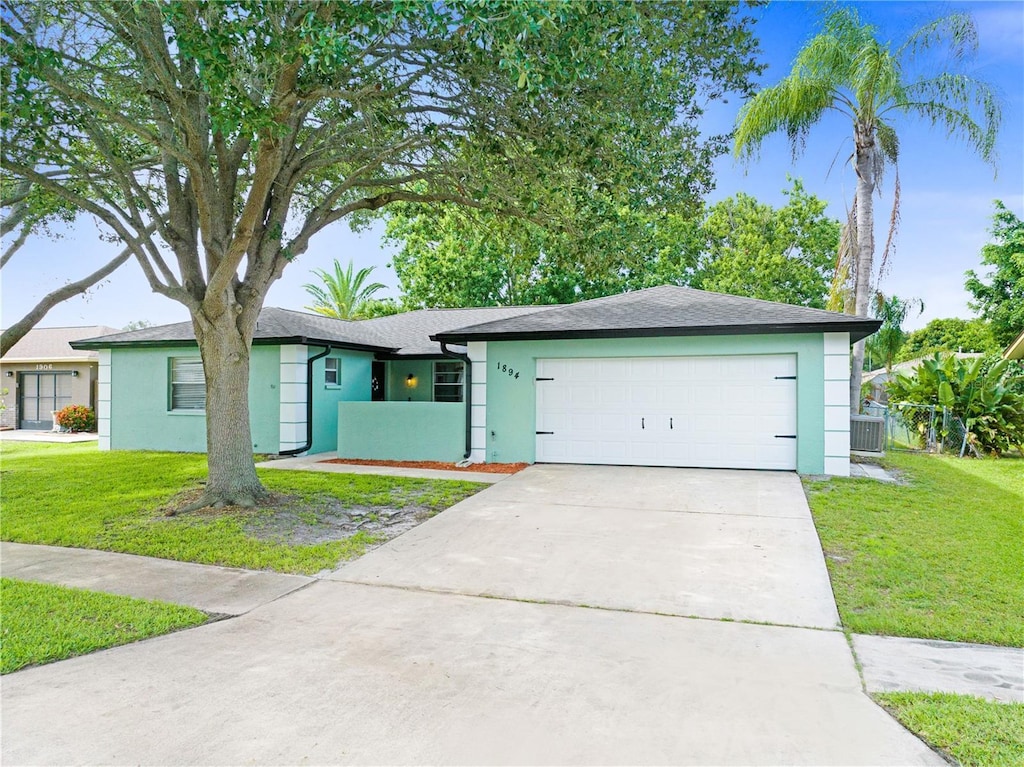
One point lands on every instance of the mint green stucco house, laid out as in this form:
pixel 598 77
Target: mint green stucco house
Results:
pixel 667 376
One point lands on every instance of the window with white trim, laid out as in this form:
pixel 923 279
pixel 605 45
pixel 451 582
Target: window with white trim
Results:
pixel 448 381
pixel 188 385
pixel 332 371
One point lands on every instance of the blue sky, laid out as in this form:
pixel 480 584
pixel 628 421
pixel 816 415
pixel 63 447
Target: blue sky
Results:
pixel 947 192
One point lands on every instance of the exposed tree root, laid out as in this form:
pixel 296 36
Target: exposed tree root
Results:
pixel 211 499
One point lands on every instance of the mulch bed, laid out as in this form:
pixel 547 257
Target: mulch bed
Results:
pixel 483 468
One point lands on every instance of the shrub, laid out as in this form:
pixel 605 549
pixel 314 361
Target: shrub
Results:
pixel 77 418
pixel 984 392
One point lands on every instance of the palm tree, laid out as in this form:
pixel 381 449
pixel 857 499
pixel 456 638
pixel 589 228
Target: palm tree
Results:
pixel 893 311
pixel 342 294
pixel 846 69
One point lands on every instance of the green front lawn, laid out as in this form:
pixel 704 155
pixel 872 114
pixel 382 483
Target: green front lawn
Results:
pixel 938 558
pixel 976 732
pixel 44 623
pixel 75 495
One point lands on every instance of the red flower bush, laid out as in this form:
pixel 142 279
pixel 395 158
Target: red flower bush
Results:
pixel 77 418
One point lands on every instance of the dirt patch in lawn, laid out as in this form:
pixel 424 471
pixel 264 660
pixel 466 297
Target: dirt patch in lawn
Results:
pixel 484 468
pixel 296 521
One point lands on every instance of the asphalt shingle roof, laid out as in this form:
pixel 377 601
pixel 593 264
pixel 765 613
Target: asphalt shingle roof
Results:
pixel 273 325
pixel 663 311
pixel 55 344
pixel 411 332
pixel 406 334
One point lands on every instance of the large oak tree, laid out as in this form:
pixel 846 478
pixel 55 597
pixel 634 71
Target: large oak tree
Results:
pixel 215 139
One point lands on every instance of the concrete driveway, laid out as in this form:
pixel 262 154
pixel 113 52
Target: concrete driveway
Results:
pixel 396 658
pixel 737 545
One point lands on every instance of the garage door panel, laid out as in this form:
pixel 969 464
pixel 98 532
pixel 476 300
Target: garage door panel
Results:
pixel 613 395
pixel 696 411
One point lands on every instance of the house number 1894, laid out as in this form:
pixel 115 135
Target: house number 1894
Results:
pixel 502 367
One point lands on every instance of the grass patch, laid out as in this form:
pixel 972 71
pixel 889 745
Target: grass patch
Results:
pixel 43 623
pixel 938 558
pixel 75 495
pixel 974 731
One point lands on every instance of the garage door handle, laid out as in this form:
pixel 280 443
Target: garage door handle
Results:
pixel 670 423
pixel 785 436
pixel 642 424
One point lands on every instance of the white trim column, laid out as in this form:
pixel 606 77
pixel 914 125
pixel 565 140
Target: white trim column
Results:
pixel 103 400
pixel 293 396
pixel 477 351
pixel 837 404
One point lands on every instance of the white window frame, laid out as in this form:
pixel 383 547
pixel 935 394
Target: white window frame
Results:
pixel 180 370
pixel 334 368
pixel 449 386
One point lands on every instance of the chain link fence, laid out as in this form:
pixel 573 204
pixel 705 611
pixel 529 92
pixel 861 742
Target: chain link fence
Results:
pixel 924 428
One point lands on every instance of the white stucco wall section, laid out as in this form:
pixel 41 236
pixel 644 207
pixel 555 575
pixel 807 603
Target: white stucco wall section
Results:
pixel 837 404
pixel 477 351
pixel 293 396
pixel 103 400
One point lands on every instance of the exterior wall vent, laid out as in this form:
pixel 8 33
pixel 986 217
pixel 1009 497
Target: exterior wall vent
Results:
pixel 867 433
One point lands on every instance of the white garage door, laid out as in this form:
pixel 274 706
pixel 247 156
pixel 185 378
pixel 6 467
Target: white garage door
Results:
pixel 716 412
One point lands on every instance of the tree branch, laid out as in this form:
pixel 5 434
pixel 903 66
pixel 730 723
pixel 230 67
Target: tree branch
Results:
pixel 15 332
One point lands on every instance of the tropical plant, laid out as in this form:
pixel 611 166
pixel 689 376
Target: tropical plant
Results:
pixel 983 393
pixel 884 346
pixel 1000 298
pixel 848 70
pixel 76 418
pixel 342 295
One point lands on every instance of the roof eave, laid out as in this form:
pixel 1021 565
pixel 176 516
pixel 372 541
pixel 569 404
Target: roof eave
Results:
pixel 398 356
pixel 1015 351
pixel 23 360
pixel 857 330
pixel 276 341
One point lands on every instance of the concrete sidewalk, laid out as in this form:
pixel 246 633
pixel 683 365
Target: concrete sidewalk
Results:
pixel 889 664
pixel 899 664
pixel 315 462
pixel 24 435
pixel 219 590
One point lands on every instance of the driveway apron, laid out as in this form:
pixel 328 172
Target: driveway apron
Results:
pixel 396 658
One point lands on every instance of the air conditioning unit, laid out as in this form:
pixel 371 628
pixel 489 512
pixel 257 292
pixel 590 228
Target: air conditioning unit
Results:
pixel 867 433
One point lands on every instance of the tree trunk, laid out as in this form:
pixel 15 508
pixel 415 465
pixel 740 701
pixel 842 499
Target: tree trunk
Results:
pixel 232 479
pixel 864 140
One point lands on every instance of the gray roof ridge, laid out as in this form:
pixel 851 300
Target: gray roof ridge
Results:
pixel 610 316
pixel 314 315
pixel 745 298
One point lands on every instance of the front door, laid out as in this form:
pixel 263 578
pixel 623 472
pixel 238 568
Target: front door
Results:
pixel 378 381
pixel 41 394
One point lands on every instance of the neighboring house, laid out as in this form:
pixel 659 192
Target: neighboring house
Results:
pixel 876 380
pixel 666 376
pixel 1015 351
pixel 42 373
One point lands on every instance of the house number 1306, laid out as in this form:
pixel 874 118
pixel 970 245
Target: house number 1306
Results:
pixel 502 367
